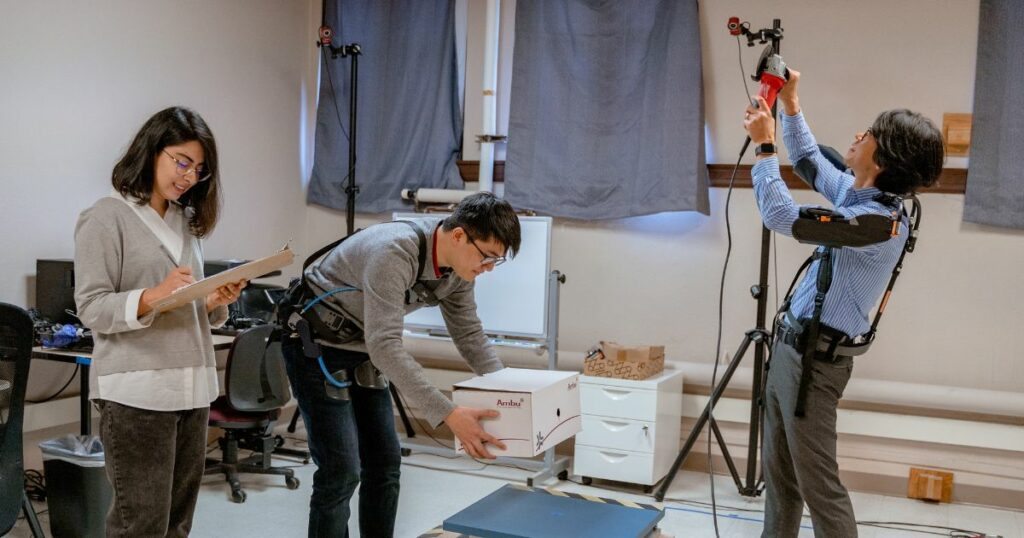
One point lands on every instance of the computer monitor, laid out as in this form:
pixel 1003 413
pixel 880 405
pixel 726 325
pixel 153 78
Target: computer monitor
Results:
pixel 55 290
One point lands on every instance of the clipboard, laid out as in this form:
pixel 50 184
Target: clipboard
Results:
pixel 206 286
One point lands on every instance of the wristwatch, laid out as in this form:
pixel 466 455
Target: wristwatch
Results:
pixel 767 148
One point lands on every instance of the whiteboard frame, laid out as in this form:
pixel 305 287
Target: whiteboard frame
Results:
pixel 436 329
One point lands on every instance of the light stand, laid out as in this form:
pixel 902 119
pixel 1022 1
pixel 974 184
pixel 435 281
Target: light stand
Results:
pixel 759 336
pixel 352 51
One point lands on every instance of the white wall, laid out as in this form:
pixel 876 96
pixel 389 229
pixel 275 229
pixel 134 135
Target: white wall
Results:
pixel 655 279
pixel 475 18
pixel 80 78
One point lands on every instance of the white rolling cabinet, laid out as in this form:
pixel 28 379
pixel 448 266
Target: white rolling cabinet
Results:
pixel 630 428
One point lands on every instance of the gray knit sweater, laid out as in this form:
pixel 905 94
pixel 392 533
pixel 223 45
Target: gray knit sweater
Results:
pixel 116 253
pixel 381 262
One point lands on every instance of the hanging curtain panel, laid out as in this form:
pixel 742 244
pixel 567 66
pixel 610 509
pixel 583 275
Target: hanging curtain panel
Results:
pixel 995 179
pixel 607 109
pixel 409 124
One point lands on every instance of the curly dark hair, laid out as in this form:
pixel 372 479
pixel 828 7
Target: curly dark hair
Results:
pixel 485 216
pixel 909 152
pixel 133 174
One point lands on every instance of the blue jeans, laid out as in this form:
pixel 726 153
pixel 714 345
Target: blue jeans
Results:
pixel 351 442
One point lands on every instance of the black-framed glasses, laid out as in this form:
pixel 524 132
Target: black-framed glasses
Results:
pixel 486 259
pixel 866 132
pixel 183 169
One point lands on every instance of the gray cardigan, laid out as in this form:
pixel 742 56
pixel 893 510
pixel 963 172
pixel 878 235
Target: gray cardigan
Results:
pixel 381 262
pixel 116 253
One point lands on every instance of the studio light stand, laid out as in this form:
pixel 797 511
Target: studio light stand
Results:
pixel 753 483
pixel 352 51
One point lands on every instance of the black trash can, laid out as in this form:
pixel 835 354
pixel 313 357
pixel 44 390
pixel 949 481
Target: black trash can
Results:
pixel 78 493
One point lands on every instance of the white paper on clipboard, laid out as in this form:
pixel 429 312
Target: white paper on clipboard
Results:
pixel 206 286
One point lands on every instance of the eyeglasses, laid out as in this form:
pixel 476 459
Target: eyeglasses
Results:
pixel 865 134
pixel 486 259
pixel 183 169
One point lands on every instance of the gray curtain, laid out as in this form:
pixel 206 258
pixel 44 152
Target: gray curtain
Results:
pixel 995 180
pixel 409 124
pixel 607 109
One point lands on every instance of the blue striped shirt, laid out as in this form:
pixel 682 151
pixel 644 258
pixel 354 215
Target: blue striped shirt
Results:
pixel 859 275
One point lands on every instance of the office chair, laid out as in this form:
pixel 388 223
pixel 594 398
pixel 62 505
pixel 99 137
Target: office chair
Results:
pixel 15 357
pixel 256 389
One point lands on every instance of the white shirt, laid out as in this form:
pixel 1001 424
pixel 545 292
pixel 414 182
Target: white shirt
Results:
pixel 168 389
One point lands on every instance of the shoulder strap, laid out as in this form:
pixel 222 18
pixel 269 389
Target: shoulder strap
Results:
pixel 316 255
pixel 422 258
pixel 420 262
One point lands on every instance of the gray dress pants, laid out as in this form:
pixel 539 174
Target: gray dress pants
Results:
pixel 799 453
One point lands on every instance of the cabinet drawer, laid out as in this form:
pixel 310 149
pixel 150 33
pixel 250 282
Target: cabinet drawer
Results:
pixel 618 402
pixel 609 464
pixel 622 434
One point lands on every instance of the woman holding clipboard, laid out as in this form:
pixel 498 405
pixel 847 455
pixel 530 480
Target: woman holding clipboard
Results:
pixel 155 372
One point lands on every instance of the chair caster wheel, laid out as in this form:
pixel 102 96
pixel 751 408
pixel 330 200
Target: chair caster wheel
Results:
pixel 406 452
pixel 586 480
pixel 563 475
pixel 291 482
pixel 529 482
pixel 238 496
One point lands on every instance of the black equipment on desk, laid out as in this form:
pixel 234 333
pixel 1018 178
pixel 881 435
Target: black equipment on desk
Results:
pixel 55 290
pixel 255 305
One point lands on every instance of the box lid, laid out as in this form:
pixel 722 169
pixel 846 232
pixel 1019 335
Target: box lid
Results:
pixel 516 380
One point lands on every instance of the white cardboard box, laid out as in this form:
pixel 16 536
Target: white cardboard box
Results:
pixel 539 408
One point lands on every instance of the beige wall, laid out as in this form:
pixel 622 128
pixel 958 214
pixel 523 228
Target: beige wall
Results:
pixel 655 279
pixel 87 79
pixel 80 78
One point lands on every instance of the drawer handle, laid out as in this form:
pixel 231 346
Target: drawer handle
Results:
pixel 613 457
pixel 614 426
pixel 616 394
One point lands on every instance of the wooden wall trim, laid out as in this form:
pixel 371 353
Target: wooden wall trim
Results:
pixel 952 180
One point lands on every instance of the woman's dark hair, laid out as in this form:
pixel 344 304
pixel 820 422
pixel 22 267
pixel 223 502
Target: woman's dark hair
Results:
pixel 909 151
pixel 485 216
pixel 134 174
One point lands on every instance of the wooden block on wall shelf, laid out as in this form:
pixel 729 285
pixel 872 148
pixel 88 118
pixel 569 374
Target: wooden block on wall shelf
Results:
pixel 956 134
pixel 930 485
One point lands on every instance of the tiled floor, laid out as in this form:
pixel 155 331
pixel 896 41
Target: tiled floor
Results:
pixel 430 494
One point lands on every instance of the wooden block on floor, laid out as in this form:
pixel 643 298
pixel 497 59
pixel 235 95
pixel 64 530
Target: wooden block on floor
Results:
pixel 930 485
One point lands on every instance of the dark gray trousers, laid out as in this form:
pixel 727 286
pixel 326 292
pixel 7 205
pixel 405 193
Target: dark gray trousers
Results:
pixel 155 462
pixel 799 454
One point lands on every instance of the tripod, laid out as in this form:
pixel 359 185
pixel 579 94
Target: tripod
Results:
pixel 759 336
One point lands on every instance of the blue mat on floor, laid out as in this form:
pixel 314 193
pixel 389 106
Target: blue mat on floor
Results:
pixel 521 512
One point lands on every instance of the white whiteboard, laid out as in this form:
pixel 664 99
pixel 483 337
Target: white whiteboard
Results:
pixel 512 299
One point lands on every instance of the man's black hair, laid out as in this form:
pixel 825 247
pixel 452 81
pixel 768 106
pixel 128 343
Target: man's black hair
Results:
pixel 909 151
pixel 484 216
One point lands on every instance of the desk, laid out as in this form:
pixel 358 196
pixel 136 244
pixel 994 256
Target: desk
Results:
pixel 84 360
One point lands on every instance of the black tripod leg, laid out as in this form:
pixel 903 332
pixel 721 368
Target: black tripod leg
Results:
pixel 752 488
pixel 409 432
pixel 725 454
pixel 294 421
pixel 30 516
pixel 716 393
